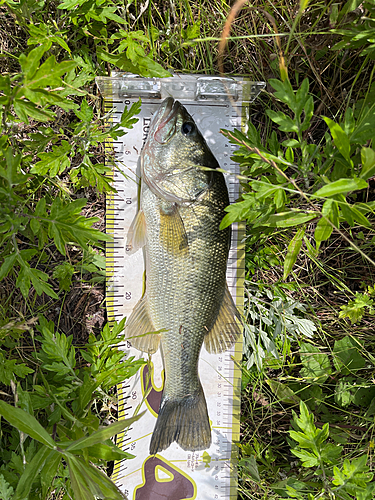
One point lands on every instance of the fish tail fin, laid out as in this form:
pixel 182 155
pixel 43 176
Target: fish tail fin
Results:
pixel 184 421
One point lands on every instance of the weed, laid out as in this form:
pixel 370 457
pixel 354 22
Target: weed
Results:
pixel 308 202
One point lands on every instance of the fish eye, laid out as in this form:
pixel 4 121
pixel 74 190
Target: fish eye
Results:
pixel 188 128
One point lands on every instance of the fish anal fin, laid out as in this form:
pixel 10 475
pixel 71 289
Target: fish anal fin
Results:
pixel 137 232
pixel 173 235
pixel 226 328
pixel 139 328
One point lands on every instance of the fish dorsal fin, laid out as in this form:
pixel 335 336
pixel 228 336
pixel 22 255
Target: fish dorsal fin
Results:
pixel 139 326
pixel 173 235
pixel 137 232
pixel 226 328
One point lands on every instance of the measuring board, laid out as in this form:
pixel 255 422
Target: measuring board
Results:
pixel 174 474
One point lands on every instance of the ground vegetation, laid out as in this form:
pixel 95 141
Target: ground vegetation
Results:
pixel 308 159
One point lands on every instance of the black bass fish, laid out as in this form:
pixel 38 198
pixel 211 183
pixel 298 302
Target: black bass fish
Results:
pixel 187 300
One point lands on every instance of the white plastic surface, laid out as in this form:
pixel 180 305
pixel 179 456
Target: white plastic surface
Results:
pixel 174 474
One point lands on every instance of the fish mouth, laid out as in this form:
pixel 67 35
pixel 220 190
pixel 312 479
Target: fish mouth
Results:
pixel 163 125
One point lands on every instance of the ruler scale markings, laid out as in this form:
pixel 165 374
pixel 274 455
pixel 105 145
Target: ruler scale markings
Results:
pixel 120 265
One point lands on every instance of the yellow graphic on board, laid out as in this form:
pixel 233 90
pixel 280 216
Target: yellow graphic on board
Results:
pixel 161 479
pixel 206 459
pixel 162 475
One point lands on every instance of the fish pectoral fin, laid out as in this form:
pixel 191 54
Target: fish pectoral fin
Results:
pixel 227 327
pixel 173 235
pixel 137 232
pixel 140 330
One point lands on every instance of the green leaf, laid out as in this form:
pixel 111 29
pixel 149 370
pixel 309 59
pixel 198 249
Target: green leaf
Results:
pixel 10 174
pixel 349 123
pixel 343 395
pixel 264 189
pixel 364 130
pixel 368 163
pixel 290 487
pixel 309 111
pixel 347 358
pixel 54 162
pixel 58 348
pixel 58 238
pixel 49 73
pixel 239 211
pixel 289 219
pixel 10 367
pixel 316 365
pixel 364 392
pixel 108 12
pixel 330 211
pixel 323 231
pixel 35 226
pixel 26 423
pixel 23 279
pixel 341 186
pixel 144 67
pixel 192 31
pixel 87 389
pixel 89 482
pixel 108 452
pixel 79 482
pixel 28 274
pixel 85 113
pixel 330 453
pixel 31 472
pixel 6 491
pixel 64 273
pixel 30 63
pixel 7 265
pixel 359 217
pixel 45 97
pixel 22 370
pixel 49 471
pixel 6 369
pixel 341 139
pixel 311 251
pixel 38 279
pixel 70 4
pixel 283 392
pixel 313 439
pixel 284 92
pixel 301 98
pixel 308 459
pixel 346 212
pixel 305 423
pixel 24 109
pixel 5 84
pixel 294 248
pixel 132 48
pixel 250 467
pixel 334 14
pixel 40 208
pixel 280 199
pixel 354 472
pixel 103 434
pixel 285 123
pixel 291 143
pixel 356 308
